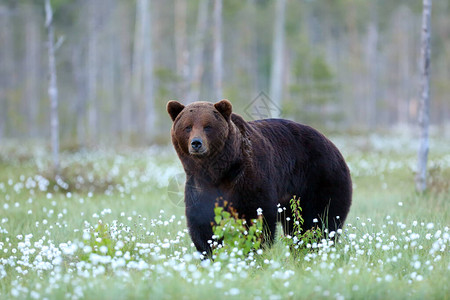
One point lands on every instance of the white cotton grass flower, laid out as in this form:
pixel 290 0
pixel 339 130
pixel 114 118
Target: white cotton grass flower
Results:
pixel 234 292
pixel 139 247
pixel 259 211
pixel 103 249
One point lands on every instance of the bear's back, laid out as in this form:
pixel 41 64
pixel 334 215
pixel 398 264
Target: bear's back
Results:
pixel 286 135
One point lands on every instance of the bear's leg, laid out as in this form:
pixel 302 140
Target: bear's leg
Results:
pixel 200 235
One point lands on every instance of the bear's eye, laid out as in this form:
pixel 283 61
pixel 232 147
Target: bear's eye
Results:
pixel 207 128
pixel 188 128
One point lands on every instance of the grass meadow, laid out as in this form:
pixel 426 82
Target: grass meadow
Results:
pixel 113 227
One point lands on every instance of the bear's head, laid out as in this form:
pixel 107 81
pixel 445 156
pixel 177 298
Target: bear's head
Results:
pixel 200 129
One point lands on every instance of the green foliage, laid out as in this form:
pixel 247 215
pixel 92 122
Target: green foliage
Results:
pixel 233 236
pixel 99 237
pixel 166 83
pixel 314 86
pixel 104 240
pixel 297 214
pixel 301 240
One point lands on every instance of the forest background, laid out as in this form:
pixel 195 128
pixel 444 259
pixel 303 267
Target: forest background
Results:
pixel 347 65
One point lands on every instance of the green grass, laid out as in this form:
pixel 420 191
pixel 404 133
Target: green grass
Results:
pixel 395 244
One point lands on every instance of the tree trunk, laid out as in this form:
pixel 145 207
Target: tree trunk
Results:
pixel 181 49
pixel 218 50
pixel 142 85
pixel 52 86
pixel 108 99
pixel 92 71
pixel 80 105
pixel 197 53
pixel 253 47
pixel 424 109
pixel 6 60
pixel 137 63
pixel 373 58
pixel 32 37
pixel 403 27
pixel 125 75
pixel 276 75
pixel 372 64
pixel 148 78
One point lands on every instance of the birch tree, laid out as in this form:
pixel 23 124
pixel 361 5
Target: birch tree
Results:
pixel 276 74
pixel 92 67
pixel 181 49
pixel 32 36
pixel 148 98
pixel 372 55
pixel 52 86
pixel 197 52
pixel 125 70
pixel 424 108
pixel 142 86
pixel 80 107
pixel 218 50
pixel 6 60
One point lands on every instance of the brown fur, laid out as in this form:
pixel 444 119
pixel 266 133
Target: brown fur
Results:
pixel 255 165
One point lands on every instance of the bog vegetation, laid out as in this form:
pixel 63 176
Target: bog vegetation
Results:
pixel 107 228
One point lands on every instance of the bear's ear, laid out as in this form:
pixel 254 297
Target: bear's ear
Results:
pixel 174 108
pixel 225 108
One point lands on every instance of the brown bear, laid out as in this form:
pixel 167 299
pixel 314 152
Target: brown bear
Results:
pixel 257 164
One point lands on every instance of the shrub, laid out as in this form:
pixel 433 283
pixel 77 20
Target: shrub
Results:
pixel 233 236
pixel 299 239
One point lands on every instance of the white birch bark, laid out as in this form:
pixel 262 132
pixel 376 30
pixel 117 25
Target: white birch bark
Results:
pixel 92 71
pixel 181 48
pixel 32 38
pixel 125 73
pixel 197 66
pixel 148 78
pixel 6 60
pixel 142 85
pixel 373 70
pixel 52 86
pixel 137 63
pixel 424 108
pixel 80 105
pixel 218 51
pixel 276 74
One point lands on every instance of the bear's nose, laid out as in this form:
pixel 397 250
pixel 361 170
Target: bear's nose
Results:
pixel 196 143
